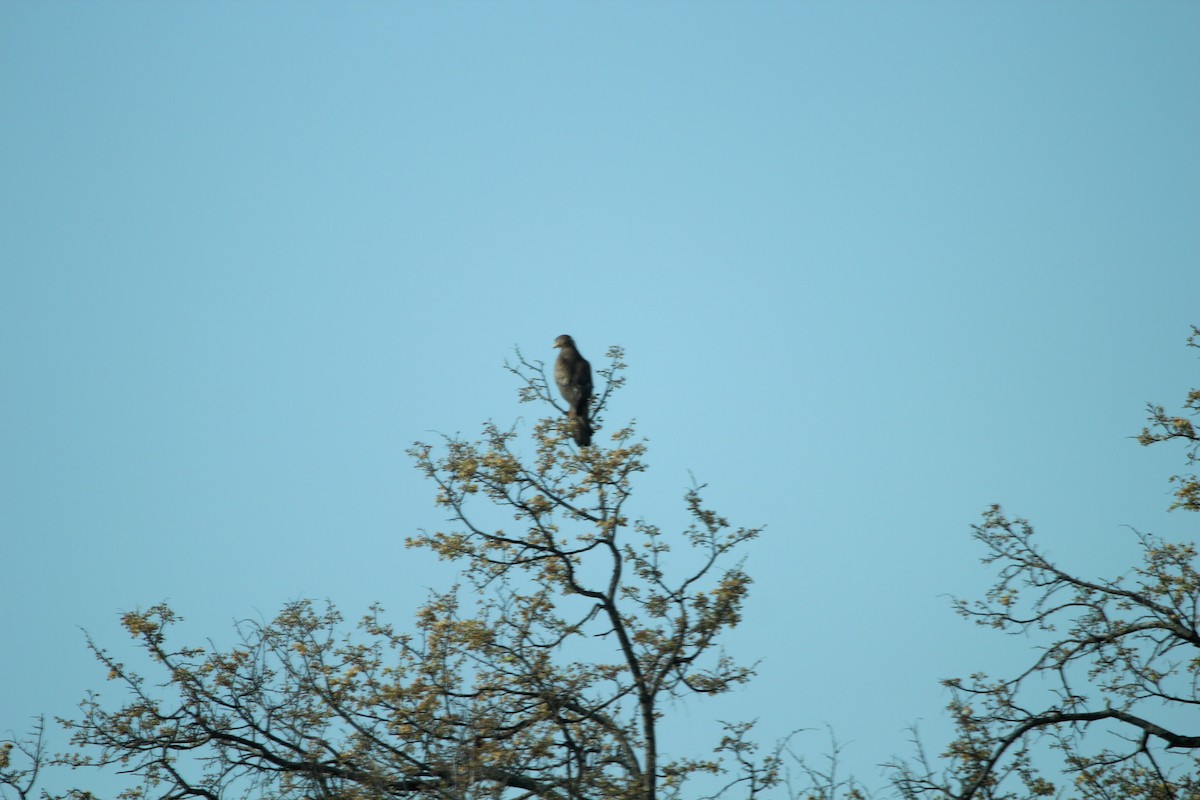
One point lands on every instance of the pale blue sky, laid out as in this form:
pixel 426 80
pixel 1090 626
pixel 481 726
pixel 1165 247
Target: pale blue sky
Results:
pixel 875 266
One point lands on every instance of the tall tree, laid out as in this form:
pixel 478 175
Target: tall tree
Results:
pixel 544 676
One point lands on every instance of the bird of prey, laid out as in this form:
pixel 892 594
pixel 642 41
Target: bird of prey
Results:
pixel 573 374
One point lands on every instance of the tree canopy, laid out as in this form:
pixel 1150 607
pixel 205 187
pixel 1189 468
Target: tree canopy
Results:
pixel 547 672
pixel 543 675
pixel 1116 673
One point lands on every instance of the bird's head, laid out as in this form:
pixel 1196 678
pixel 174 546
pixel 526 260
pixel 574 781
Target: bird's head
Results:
pixel 564 341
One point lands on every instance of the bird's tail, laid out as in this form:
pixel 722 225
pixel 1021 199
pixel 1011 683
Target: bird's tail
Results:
pixel 581 427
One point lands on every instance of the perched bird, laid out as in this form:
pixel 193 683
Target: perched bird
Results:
pixel 573 374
